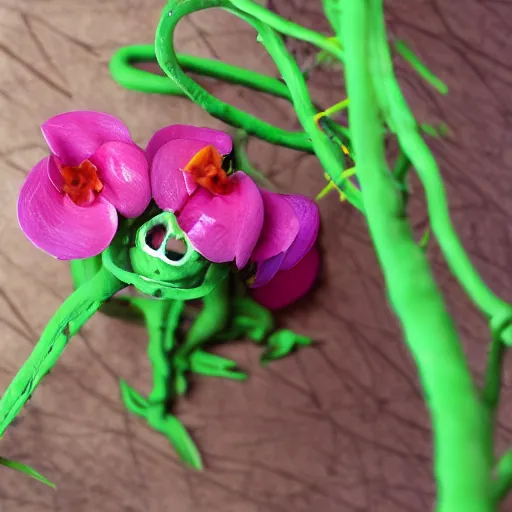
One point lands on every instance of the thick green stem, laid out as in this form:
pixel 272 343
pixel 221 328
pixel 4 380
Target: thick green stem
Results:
pixel 211 321
pixel 66 322
pixel 459 421
pixel 401 121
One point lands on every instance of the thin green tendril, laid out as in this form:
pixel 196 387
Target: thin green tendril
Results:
pixel 420 68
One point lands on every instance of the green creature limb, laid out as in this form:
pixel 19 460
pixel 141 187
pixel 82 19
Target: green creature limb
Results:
pixel 162 320
pixel 115 307
pixel 66 322
pixel 165 424
pixel 282 343
pixel 256 322
pixel 211 321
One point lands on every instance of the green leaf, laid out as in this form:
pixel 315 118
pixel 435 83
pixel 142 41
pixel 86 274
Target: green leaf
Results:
pixel 23 468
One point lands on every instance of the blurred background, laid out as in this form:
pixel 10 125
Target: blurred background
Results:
pixel 340 427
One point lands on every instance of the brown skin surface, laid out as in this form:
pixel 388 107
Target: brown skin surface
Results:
pixel 338 428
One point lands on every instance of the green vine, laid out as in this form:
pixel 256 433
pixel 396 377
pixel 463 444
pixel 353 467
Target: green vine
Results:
pixel 469 478
pixel 460 416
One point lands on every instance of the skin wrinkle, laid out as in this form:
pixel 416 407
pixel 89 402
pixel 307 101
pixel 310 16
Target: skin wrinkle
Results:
pixel 271 413
pixel 33 71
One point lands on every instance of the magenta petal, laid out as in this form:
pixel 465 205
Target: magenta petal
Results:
pixel 75 136
pixel 225 227
pixel 290 285
pixel 222 141
pixel 123 170
pixel 280 227
pixel 55 175
pixel 52 222
pixel 190 183
pixel 308 215
pixel 267 270
pixel 170 190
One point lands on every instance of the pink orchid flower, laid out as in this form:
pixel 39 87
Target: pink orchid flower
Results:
pixel 287 286
pixel 69 202
pixel 290 229
pixel 228 218
pixel 287 261
pixel 222 215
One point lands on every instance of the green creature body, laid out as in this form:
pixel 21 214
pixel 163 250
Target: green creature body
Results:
pixel 167 291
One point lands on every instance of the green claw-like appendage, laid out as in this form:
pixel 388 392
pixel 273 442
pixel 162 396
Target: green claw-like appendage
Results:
pixel 252 319
pixel 281 343
pixel 163 422
pixel 212 365
pixel 203 363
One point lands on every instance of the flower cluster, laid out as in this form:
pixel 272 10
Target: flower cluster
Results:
pixel 69 204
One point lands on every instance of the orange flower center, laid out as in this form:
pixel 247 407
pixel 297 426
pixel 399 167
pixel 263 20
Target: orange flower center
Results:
pixel 81 182
pixel 206 168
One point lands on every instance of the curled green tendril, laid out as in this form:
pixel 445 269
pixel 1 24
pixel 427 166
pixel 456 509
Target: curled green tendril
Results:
pixel 125 74
pixel 328 152
pixel 168 61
